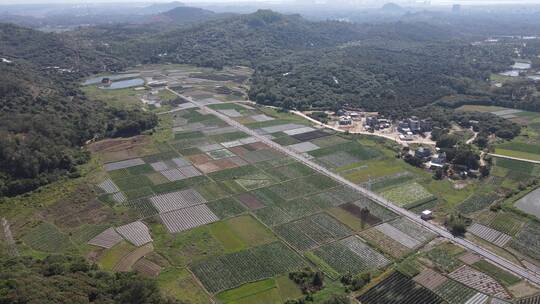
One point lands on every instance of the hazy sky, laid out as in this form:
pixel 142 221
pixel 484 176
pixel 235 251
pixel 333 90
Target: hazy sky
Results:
pixel 433 2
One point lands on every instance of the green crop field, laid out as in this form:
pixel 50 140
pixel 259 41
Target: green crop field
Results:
pixel 407 194
pixel 454 292
pixel 46 237
pixel 179 284
pixel 235 269
pixel 502 276
pixel 226 207
pixel 528 240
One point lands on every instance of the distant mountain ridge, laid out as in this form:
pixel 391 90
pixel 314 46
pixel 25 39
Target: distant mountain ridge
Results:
pixel 186 14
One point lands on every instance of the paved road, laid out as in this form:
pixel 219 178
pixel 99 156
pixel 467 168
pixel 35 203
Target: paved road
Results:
pixel 488 255
pixel 515 158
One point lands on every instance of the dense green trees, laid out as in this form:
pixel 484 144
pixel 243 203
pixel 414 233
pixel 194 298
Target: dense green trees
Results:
pixel 64 279
pixel 44 118
pixel 380 75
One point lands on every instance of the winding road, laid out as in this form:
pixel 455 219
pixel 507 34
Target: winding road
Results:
pixel 529 275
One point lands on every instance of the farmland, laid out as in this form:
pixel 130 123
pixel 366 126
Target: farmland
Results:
pixel 397 288
pixel 213 213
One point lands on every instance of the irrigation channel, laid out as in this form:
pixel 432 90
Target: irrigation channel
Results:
pixel 488 255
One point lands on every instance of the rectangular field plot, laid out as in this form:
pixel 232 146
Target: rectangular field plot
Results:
pixel 124 164
pixel 479 281
pixel 232 270
pixel 399 289
pixel 142 206
pixel 108 186
pixel 491 235
pixel 136 233
pixel 308 136
pixel 299 131
pixel 430 279
pixel 407 194
pixel 187 218
pixel 220 154
pixel 226 207
pixel 261 118
pixel 303 147
pixel 528 240
pixel 454 292
pixel 477 202
pixel 106 239
pixel 397 235
pixel 338 159
pixel 350 255
pixel 312 231
pixel 384 242
pixel 412 229
pixel 261 155
pixel 177 200
pixel 279 128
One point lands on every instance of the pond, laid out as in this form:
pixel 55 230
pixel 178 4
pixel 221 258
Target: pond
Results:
pixel 125 84
pixel 97 80
pixel 530 203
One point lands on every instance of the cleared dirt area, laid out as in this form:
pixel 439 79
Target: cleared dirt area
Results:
pixel 122 148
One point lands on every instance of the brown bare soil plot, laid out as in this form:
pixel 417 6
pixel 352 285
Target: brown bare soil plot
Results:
pixel 469 258
pixel 355 210
pixel 258 146
pixel 125 264
pixel 385 243
pixel 199 159
pixel 239 150
pixel 147 268
pixel 430 279
pixel 250 201
pixel 225 164
pixel 208 167
pixel 125 148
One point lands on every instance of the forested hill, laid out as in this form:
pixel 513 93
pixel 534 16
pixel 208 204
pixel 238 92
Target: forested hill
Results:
pixel 391 77
pixel 44 118
pixel 249 39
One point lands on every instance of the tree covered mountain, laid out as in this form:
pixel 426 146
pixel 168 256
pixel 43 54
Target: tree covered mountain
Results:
pixel 388 77
pixel 44 118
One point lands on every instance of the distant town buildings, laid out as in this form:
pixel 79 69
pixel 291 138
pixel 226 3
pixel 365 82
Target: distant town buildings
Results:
pixel 413 125
pixel 422 153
